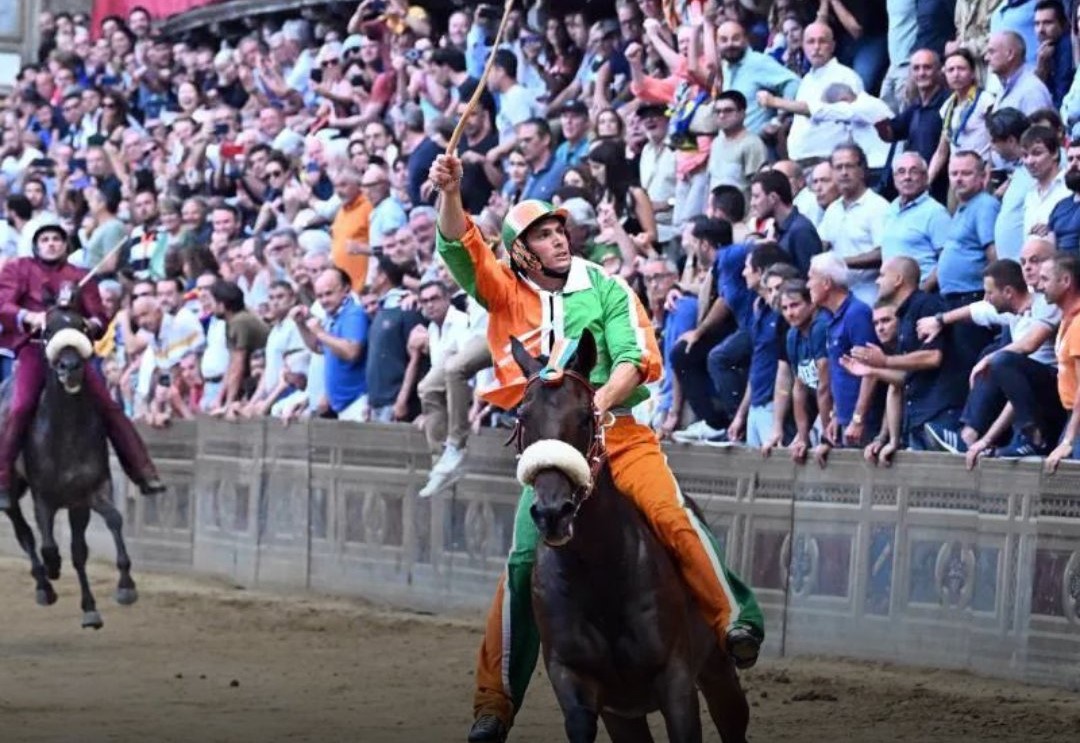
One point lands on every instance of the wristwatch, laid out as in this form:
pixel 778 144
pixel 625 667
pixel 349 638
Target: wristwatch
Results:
pixel 940 317
pixel 857 419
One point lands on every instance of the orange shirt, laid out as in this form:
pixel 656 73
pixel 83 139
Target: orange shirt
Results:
pixel 1068 352
pixel 353 222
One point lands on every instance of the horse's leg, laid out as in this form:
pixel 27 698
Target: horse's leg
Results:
pixel 579 701
pixel 627 729
pixel 79 517
pixel 679 705
pixel 725 698
pixel 45 595
pixel 45 515
pixel 125 589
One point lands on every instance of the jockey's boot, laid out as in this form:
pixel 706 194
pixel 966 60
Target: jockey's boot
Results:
pixel 151 486
pixel 743 645
pixel 488 729
pixel 5 498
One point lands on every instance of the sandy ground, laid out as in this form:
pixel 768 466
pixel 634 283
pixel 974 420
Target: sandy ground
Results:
pixel 196 660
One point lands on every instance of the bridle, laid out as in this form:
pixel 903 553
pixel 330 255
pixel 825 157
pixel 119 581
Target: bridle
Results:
pixel 596 455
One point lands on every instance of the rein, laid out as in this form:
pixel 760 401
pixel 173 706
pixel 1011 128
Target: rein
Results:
pixel 596 455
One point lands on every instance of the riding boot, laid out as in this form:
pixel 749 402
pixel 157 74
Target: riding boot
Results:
pixel 129 446
pixel 488 729
pixel 26 385
pixel 743 645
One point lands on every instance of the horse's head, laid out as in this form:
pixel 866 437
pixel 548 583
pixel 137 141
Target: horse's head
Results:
pixel 67 344
pixel 558 436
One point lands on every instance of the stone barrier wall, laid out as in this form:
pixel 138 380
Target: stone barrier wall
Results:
pixel 924 563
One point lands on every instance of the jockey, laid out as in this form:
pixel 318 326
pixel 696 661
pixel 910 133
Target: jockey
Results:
pixel 543 296
pixel 27 287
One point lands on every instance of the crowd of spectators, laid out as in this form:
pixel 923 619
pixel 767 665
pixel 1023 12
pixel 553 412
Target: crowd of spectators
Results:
pixel 854 224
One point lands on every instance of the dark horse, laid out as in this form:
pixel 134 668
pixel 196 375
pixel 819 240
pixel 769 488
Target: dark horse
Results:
pixel 621 633
pixel 65 463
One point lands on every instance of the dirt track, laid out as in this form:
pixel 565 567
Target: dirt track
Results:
pixel 328 670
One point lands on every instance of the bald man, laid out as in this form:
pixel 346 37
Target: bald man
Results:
pixel 804 199
pixel 819 46
pixel 172 336
pixel 934 388
pixel 750 72
pixel 1013 80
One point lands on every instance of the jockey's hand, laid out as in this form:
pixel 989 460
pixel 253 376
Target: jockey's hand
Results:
pixel 446 173
pixel 34 321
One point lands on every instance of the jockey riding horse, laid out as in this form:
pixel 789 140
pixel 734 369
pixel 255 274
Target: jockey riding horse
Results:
pixel 27 288
pixel 544 297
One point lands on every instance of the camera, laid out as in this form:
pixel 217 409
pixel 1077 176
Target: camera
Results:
pixel 316 75
pixel 165 379
pixel 412 56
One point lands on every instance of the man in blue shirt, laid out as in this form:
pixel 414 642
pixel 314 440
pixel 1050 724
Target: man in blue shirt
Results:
pixel 856 403
pixel 1065 218
pixel 748 72
pixel 915 224
pixel 545 171
pixel 342 340
pixel 934 386
pixel 968 249
pixel 1053 58
pixel 771 197
pixel 392 370
pixel 1006 126
pixel 574 122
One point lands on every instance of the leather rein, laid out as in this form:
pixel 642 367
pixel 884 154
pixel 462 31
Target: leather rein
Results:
pixel 596 455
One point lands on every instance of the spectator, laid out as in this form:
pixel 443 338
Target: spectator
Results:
pixel 823 186
pixel 351 230
pixel 172 338
pixel 919 123
pixel 1054 62
pixel 805 365
pixel 914 224
pixel 387 215
pixel 1042 157
pixel 617 185
pixel 748 73
pixel 282 340
pixel 770 198
pixel 1021 87
pixel 516 105
pixel 737 153
pixel 934 385
pixel 1064 223
pixel 819 45
pixel 849 324
pixel 803 195
pixel 1006 127
pixel 887 442
pixel 393 369
pixel 457 349
pixel 103 230
pixel 754 418
pixel 967 250
pixel 657 168
pixel 1021 370
pixel 482 174
pixel 244 334
pixel 574 124
pixel 852 224
pixel 1060 280
pixel 341 339
pixel 545 172
pixel 964 114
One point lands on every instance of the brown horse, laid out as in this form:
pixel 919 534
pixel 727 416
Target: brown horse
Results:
pixel 621 634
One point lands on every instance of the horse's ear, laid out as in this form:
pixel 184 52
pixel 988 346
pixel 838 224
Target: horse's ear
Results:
pixel 529 365
pixel 585 357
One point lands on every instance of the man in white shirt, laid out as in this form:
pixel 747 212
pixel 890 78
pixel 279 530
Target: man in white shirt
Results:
pixel 458 350
pixel 516 103
pixel 805 199
pixel 818 46
pixel 852 224
pixel 657 167
pixel 1042 158
pixel 283 339
pixel 172 337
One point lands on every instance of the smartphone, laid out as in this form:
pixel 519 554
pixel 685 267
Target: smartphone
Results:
pixel 412 56
pixel 316 75
pixel 220 130
pixel 165 379
pixel 78 163
pixel 357 81
pixel 80 183
pixel 230 150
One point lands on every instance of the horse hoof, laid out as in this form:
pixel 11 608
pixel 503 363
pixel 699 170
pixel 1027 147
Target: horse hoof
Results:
pixel 126 596
pixel 46 596
pixel 92 620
